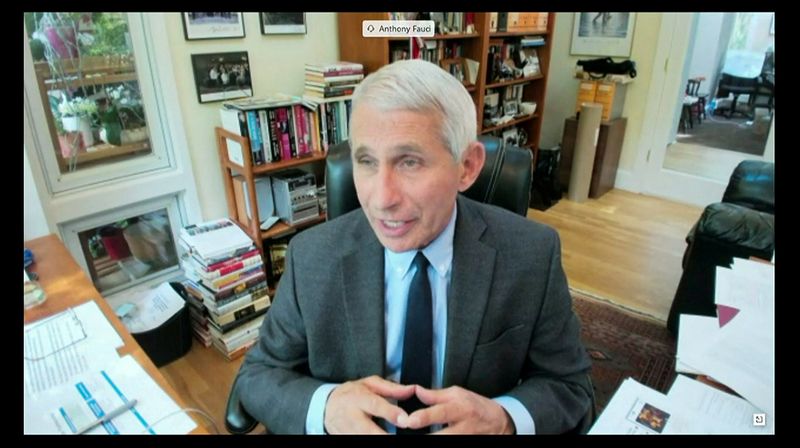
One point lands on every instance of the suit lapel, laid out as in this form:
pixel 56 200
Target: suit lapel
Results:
pixel 362 274
pixel 468 293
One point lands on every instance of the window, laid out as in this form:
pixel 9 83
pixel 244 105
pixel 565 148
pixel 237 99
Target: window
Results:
pixel 135 180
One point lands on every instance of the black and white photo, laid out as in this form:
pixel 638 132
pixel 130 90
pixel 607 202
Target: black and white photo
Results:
pixel 222 76
pixel 212 25
pixel 283 22
pixel 603 33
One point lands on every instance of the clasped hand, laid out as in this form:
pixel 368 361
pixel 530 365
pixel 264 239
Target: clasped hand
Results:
pixel 351 407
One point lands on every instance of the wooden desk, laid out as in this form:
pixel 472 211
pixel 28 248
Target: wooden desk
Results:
pixel 66 286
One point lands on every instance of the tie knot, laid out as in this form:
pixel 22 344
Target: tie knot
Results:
pixel 420 261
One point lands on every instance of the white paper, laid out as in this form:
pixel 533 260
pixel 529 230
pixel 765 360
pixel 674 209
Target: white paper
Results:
pixel 741 355
pixel 745 287
pixel 638 409
pixel 63 409
pixel 723 412
pixel 691 330
pixel 44 373
pixel 61 346
pixel 152 307
pixel 96 325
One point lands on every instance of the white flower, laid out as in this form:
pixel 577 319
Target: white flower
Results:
pixel 77 107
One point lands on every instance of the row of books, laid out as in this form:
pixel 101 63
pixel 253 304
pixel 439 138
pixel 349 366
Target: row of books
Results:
pixel 227 290
pixel 281 129
pixel 332 80
pixel 333 117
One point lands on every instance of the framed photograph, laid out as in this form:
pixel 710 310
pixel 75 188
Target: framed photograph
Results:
pixel 212 25
pixel 510 108
pixel 222 76
pixel 283 22
pixel 603 33
pixel 457 68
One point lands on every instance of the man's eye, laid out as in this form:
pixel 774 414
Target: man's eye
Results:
pixel 366 162
pixel 410 163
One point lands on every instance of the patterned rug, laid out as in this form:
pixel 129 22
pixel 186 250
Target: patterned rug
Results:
pixel 623 343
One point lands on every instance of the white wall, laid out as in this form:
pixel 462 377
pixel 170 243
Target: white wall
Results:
pixel 276 65
pixel 562 86
pixel 707 47
pixel 34 223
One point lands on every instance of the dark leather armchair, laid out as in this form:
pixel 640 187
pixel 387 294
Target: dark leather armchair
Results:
pixel 742 226
pixel 505 179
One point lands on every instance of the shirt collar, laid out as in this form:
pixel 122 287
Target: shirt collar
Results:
pixel 439 252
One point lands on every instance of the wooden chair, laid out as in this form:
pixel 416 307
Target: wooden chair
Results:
pixel 698 108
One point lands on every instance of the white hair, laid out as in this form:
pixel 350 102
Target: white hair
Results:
pixel 420 86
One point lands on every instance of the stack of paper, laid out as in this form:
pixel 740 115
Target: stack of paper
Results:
pixel 736 348
pixel 74 376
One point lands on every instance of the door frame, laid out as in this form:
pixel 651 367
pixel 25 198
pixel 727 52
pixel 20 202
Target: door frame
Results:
pixel 650 176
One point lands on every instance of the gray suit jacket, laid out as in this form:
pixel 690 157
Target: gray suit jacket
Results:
pixel 510 325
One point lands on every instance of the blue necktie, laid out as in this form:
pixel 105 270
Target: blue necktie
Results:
pixel 417 365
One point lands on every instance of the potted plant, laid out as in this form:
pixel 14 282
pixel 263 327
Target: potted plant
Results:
pixel 128 103
pixel 76 117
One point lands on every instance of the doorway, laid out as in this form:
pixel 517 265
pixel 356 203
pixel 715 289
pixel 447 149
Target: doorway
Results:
pixel 689 173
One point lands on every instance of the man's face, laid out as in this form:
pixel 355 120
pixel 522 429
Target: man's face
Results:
pixel 406 178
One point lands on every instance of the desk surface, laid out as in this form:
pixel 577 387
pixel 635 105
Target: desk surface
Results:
pixel 66 286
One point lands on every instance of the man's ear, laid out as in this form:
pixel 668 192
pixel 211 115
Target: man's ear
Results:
pixel 471 165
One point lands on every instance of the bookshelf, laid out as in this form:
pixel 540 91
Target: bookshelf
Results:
pixel 250 172
pixel 375 52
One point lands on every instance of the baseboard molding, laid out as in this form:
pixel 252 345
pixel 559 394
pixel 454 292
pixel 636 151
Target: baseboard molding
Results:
pixel 626 181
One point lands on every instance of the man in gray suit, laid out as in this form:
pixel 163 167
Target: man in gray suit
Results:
pixel 506 352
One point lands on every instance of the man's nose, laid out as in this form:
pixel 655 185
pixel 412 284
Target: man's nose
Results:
pixel 387 189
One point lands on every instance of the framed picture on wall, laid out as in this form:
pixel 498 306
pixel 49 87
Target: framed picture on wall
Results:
pixel 212 25
pixel 603 33
pixel 283 22
pixel 222 76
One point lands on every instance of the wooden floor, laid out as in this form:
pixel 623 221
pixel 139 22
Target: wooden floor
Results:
pixel 623 247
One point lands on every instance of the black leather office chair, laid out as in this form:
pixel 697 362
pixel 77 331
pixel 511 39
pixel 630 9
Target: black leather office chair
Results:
pixel 505 179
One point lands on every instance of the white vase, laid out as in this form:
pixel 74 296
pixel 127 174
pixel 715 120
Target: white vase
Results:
pixel 80 124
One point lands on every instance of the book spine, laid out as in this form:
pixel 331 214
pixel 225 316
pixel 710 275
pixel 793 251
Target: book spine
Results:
pixel 255 139
pixel 292 131
pixel 274 135
pixel 232 280
pixel 229 269
pixel 219 265
pixel 265 136
pixel 302 133
pixel 286 147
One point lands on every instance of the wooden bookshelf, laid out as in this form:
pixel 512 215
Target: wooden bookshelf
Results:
pixel 281 229
pixel 250 172
pixel 374 53
pixel 508 124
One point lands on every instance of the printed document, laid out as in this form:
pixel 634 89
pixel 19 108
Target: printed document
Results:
pixel 61 346
pixel 724 413
pixel 66 408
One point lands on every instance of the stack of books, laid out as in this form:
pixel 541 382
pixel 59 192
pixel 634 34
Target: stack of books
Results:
pixel 334 80
pixel 227 284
